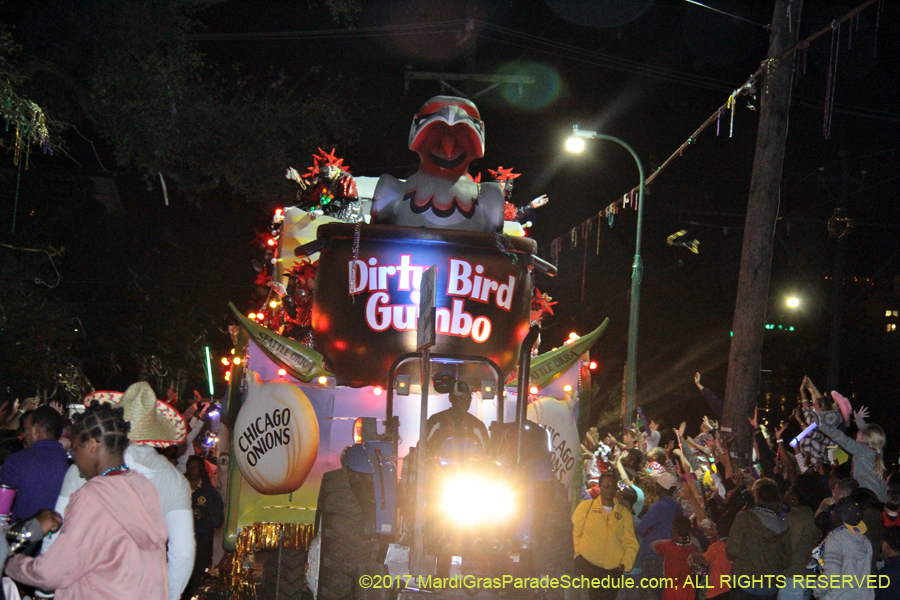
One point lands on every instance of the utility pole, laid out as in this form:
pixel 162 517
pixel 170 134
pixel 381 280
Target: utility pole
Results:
pixel 742 386
pixel 837 285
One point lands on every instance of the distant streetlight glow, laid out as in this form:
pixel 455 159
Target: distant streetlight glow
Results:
pixel 574 144
pixel 793 302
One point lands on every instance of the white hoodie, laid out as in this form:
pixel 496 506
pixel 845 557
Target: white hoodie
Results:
pixel 848 554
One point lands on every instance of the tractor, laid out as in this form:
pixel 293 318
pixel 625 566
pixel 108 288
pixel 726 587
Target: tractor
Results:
pixel 490 509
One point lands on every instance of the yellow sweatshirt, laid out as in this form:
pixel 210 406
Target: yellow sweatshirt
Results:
pixel 604 539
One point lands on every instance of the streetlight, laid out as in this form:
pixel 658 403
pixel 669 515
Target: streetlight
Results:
pixel 793 302
pixel 575 143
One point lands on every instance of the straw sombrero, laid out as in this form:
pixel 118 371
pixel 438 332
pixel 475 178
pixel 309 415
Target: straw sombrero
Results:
pixel 153 422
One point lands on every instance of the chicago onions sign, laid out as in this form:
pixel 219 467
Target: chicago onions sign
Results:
pixel 276 436
pixel 366 304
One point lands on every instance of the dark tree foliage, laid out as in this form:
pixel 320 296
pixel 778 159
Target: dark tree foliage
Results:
pixel 126 72
pixel 94 295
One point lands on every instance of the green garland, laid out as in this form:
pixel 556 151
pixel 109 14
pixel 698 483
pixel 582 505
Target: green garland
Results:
pixel 27 117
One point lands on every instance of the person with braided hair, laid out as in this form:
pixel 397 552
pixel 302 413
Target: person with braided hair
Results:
pixel 112 544
pixel 153 424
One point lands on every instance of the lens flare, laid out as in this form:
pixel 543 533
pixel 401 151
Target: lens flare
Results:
pixel 543 92
pixel 476 499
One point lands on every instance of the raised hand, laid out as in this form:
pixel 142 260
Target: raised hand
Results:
pixel 862 413
pixel 697 381
pixel 540 201
pixel 781 430
pixel 753 421
pixel 585 453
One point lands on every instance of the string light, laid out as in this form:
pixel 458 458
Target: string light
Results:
pixel 237 360
pixel 273 304
pixel 323 380
pixel 225 361
pixel 251 316
pixel 377 390
pixel 533 389
pixel 593 365
pixel 568 388
pixel 282 372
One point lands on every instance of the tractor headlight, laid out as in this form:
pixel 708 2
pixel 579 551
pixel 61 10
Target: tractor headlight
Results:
pixel 473 499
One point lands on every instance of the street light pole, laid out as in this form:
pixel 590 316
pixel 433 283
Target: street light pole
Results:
pixel 575 143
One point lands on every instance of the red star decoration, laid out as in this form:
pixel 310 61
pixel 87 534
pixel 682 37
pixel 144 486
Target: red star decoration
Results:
pixel 324 158
pixel 331 160
pixel 541 302
pixel 502 174
pixel 304 270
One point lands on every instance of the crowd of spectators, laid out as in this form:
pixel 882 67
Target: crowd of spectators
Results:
pixel 809 507
pixel 113 496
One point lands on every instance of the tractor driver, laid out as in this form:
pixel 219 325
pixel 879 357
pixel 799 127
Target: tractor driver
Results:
pixel 456 421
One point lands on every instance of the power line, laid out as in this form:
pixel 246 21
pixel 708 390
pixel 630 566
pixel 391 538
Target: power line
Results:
pixel 316 34
pixel 648 72
pixel 747 88
pixel 733 16
pixel 454 26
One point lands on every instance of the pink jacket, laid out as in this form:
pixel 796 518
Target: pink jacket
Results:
pixel 112 545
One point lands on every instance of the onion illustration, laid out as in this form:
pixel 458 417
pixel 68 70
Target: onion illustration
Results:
pixel 276 436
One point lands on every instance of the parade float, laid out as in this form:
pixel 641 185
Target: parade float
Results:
pixel 322 419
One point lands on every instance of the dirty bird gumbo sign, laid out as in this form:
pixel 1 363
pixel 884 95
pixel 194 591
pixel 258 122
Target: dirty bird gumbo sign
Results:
pixel 367 302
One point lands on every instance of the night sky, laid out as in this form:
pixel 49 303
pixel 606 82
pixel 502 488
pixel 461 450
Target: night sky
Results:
pixel 649 72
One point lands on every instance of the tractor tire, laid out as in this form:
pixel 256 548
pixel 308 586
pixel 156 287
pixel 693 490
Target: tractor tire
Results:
pixel 283 573
pixel 348 540
pixel 377 573
pixel 552 530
